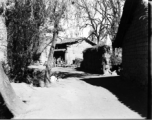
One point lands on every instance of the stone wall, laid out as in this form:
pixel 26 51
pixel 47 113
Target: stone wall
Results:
pixel 135 47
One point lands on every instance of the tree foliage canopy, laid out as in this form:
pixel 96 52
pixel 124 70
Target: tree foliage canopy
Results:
pixel 23 22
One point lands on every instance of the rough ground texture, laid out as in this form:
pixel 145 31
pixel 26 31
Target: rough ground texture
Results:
pixel 76 95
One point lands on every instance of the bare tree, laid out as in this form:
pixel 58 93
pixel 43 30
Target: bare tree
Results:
pixel 103 17
pixel 56 11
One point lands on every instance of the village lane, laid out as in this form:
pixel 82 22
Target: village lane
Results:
pixel 73 97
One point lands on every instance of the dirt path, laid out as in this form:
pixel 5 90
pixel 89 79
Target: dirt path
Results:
pixel 72 97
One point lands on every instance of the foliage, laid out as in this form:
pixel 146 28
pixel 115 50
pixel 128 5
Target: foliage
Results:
pixel 27 21
pixel 116 57
pixel 98 49
pixel 116 60
pixel 145 15
pixel 23 22
pixel 36 76
pixel 94 59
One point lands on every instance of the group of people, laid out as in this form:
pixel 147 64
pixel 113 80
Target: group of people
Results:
pixel 58 62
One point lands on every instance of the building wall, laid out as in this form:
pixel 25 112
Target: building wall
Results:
pixel 135 48
pixel 73 51
pixel 76 51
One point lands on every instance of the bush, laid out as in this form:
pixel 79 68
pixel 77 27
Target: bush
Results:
pixel 94 59
pixel 23 22
pixel 116 61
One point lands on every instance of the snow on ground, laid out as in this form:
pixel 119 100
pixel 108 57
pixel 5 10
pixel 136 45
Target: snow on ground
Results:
pixel 71 98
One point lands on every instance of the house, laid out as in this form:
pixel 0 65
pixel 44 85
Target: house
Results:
pixel 71 49
pixel 132 37
pixel 68 50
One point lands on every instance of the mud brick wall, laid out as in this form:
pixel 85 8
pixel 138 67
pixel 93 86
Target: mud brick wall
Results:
pixel 135 47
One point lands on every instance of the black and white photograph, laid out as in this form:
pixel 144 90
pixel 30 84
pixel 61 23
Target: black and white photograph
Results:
pixel 75 59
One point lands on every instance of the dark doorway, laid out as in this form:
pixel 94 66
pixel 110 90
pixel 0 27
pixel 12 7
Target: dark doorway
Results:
pixel 59 54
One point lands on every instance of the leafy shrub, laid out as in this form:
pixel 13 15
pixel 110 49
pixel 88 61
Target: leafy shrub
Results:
pixel 116 61
pixel 23 22
pixel 35 76
pixel 94 59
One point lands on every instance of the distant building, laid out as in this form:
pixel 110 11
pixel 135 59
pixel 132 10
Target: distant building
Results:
pixel 132 36
pixel 69 50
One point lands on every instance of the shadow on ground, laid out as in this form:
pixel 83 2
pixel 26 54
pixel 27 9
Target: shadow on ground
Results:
pixel 73 73
pixel 89 71
pixel 127 93
pixel 65 75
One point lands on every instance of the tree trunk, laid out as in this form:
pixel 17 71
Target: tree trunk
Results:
pixel 50 62
pixel 13 103
pixel 43 43
pixel 98 40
